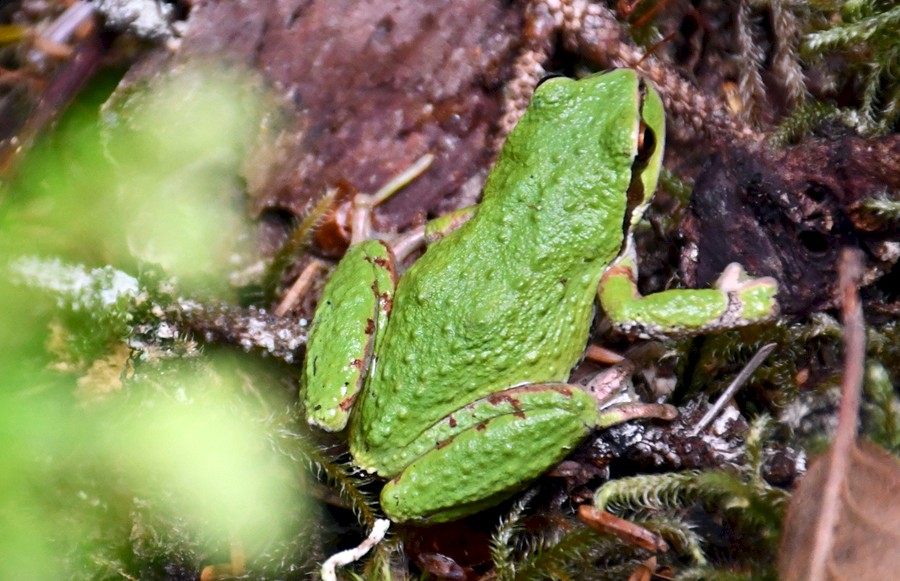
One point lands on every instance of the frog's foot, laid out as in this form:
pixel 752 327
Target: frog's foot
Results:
pixel 753 298
pixel 611 388
pixel 364 204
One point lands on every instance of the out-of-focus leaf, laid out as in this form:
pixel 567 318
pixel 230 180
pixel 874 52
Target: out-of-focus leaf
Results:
pixel 157 183
pixel 178 146
pixel 867 536
pixel 204 446
pixel 12 33
pixel 844 519
pixel 187 447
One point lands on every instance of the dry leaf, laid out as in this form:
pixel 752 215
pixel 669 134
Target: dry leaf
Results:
pixel 866 542
pixel 844 519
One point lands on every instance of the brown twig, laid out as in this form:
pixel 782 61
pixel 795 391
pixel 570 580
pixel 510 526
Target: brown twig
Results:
pixel 65 85
pixel 850 271
pixel 299 288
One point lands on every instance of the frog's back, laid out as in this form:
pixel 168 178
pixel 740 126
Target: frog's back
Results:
pixel 507 298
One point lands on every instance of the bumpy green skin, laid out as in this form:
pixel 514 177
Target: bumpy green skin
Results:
pixel 464 401
pixel 354 305
pixel 759 301
pixel 460 476
pixel 504 300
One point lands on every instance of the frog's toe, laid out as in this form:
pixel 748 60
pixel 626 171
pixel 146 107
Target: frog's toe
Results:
pixel 750 300
pixel 636 411
pixel 732 278
pixel 735 279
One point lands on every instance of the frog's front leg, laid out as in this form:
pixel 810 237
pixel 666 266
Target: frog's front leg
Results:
pixel 735 301
pixel 491 448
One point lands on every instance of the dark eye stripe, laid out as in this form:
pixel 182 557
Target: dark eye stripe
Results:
pixel 548 77
pixel 646 146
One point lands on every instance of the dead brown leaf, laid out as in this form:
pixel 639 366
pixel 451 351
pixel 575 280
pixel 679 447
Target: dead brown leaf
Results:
pixel 867 535
pixel 844 518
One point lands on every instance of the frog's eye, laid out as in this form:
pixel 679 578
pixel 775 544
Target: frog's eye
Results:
pixel 549 77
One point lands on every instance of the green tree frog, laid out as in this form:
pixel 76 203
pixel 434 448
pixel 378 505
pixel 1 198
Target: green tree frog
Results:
pixel 453 381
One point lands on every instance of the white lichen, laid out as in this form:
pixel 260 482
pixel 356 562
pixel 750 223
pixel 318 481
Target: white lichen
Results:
pixel 148 19
pixel 76 287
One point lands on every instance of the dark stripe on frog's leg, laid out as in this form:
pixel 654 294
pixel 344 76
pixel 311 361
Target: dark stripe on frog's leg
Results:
pixel 384 285
pixel 736 301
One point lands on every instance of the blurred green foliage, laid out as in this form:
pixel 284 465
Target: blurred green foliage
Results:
pixel 151 469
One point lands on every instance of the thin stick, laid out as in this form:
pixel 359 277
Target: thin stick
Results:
pixel 599 354
pixel 360 218
pixel 300 286
pixel 397 182
pixel 732 389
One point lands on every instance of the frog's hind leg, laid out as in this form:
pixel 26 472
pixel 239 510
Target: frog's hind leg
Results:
pixel 486 456
pixel 535 427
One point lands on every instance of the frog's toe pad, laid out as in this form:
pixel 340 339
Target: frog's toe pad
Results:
pixel 750 300
pixel 735 279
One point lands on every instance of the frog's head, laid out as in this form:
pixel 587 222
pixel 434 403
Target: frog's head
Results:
pixel 622 116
